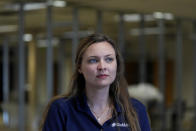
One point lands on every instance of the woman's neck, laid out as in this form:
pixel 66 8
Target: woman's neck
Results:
pixel 97 98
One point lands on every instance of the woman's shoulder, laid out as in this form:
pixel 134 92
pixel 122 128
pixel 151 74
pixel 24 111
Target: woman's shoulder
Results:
pixel 56 113
pixel 142 114
pixel 61 102
pixel 137 104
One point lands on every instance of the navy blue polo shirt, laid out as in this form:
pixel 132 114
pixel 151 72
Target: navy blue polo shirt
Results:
pixel 73 114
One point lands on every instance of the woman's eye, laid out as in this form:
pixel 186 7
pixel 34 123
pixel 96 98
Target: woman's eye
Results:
pixel 92 61
pixel 109 60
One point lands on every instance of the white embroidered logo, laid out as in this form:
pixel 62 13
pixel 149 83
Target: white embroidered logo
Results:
pixel 119 124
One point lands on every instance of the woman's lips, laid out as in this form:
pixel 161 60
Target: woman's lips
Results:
pixel 102 76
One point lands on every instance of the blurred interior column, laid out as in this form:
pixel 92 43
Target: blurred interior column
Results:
pixel 22 110
pixel 49 66
pixel 75 37
pixel 142 50
pixel 32 80
pixel 179 47
pixel 99 28
pixel 121 34
pixel 6 81
pixel 194 86
pixel 161 56
pixel 61 67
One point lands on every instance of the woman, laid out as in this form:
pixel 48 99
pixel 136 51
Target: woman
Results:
pixel 98 99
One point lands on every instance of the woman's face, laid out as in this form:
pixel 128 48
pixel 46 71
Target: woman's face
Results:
pixel 99 65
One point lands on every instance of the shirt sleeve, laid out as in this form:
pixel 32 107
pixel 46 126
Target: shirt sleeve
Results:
pixel 55 119
pixel 142 115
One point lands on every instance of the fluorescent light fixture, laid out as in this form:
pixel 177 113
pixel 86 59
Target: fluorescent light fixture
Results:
pixel 137 17
pixel 81 34
pixel 27 7
pixel 8 28
pixel 131 17
pixel 42 43
pixel 160 15
pixel 59 3
pixel 169 16
pixel 36 6
pixel 147 31
pixel 147 17
pixel 27 37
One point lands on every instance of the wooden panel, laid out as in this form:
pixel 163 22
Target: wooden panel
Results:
pixel 169 80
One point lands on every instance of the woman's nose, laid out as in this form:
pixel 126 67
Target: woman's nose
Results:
pixel 101 65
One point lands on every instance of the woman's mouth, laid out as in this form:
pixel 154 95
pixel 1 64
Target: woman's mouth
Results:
pixel 102 76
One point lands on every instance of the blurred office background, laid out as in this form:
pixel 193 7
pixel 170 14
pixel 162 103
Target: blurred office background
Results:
pixel 38 39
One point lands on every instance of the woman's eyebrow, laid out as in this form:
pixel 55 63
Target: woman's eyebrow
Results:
pixel 98 56
pixel 93 56
pixel 109 55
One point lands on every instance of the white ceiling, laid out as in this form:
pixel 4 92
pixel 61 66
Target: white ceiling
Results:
pixel 35 20
pixel 180 8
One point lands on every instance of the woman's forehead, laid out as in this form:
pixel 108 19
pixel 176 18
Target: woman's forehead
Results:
pixel 99 48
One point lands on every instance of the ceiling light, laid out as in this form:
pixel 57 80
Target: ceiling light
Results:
pixel 43 43
pixel 147 17
pixel 59 3
pixel 27 37
pixel 160 15
pixel 8 28
pixel 35 6
pixel 131 17
pixel 147 31
pixel 169 16
pixel 135 17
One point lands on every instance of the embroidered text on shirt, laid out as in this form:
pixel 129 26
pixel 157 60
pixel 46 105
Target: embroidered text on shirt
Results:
pixel 119 124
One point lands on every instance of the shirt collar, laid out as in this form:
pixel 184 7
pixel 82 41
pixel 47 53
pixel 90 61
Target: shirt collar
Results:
pixel 81 103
